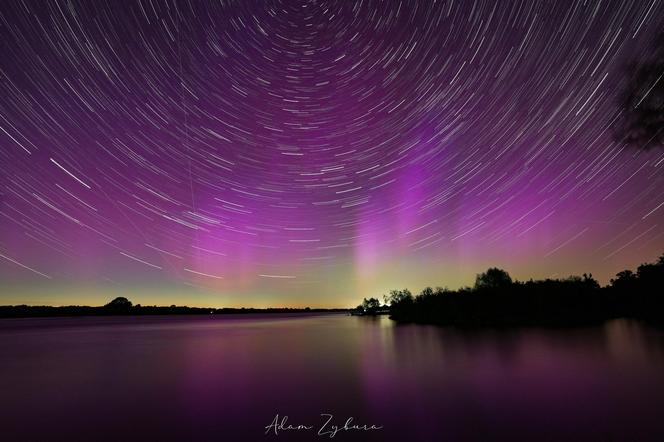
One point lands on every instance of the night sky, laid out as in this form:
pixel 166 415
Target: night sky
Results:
pixel 294 153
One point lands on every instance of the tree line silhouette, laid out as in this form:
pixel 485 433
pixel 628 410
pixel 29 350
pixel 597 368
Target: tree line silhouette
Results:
pixel 494 300
pixel 123 306
pixel 497 300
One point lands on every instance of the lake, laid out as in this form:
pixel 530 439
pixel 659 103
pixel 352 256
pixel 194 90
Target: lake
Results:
pixel 222 378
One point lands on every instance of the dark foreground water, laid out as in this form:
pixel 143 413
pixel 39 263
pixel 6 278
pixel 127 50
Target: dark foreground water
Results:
pixel 226 378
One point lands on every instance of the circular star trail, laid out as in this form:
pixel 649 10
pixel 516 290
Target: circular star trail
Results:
pixel 312 152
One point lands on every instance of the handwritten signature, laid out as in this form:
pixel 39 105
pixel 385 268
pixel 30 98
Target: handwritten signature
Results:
pixel 328 428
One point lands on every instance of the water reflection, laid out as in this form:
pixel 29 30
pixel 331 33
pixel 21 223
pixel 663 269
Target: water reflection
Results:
pixel 225 379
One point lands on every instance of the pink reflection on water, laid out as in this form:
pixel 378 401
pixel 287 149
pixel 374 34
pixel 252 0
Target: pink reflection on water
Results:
pixel 225 378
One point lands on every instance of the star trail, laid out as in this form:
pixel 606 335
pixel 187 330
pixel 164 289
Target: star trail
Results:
pixel 292 153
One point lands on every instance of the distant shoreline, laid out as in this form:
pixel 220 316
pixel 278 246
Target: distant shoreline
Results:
pixel 27 311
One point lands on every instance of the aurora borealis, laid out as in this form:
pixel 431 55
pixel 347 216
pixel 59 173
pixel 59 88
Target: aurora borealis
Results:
pixel 292 153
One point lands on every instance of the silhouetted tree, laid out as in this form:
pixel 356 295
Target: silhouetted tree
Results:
pixel 626 278
pixel 119 303
pixel 590 281
pixel 639 294
pixel 427 291
pixel 494 278
pixel 370 305
pixel 396 297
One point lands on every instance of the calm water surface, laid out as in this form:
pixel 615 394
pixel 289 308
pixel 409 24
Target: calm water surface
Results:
pixel 227 377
